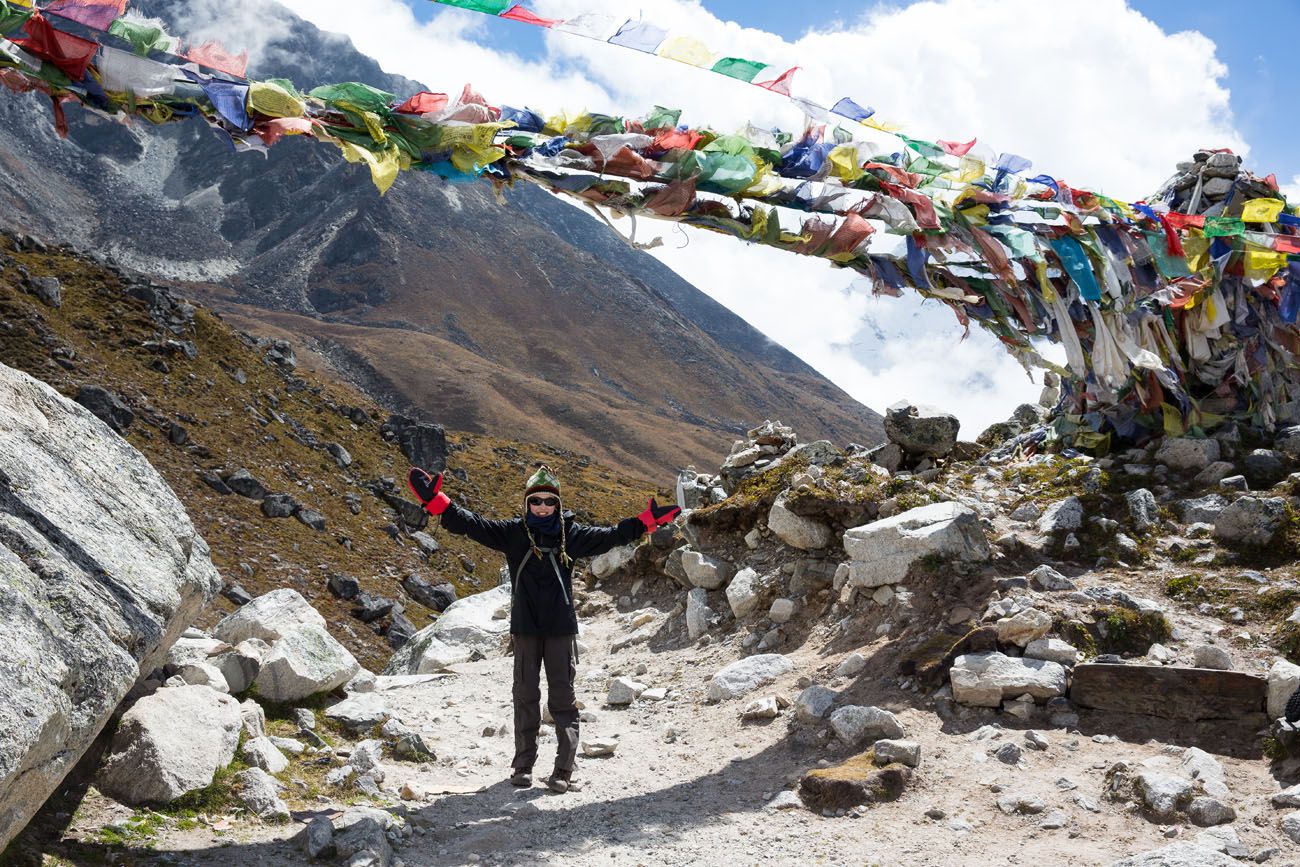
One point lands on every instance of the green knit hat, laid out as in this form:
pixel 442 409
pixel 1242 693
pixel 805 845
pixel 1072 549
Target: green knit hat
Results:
pixel 542 480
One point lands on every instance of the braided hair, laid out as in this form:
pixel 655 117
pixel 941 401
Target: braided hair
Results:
pixel 545 480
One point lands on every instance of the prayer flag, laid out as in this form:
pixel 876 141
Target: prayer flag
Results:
pixel 850 109
pixel 957 149
pixel 1262 210
pixel 98 14
pixel 144 36
pixel 689 50
pixel 519 13
pixel 214 56
pixel 639 35
pixel 487 7
pixel 69 54
pixel 780 84
pixel 423 103
pixel 738 67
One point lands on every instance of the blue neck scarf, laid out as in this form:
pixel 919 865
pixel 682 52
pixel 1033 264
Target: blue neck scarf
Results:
pixel 546 526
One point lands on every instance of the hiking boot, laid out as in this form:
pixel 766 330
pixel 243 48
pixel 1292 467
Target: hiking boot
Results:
pixel 521 777
pixel 560 782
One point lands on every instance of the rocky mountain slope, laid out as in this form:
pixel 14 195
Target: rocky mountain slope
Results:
pixel 324 465
pixel 927 653
pixel 528 320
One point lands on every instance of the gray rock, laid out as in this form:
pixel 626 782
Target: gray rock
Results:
pixel 705 571
pixel 623 691
pixel 1021 803
pixel 311 518
pixel 258 792
pixel 359 712
pixel 1009 753
pixel 340 455
pixel 261 753
pixel 781 610
pixel 1234 483
pixel 903 752
pixel 813 702
pixel 888 457
pixel 1053 649
pixel 346 587
pixel 921 430
pixel 243 482
pixel 884 551
pixel 1206 811
pixel 101 571
pixel 698 613
pixel 361 837
pixel 1213 474
pixel 1164 795
pixel 437 597
pixel 852 665
pixel 1211 656
pixel 856 725
pixel 746 675
pixel 1142 509
pixel 1023 627
pixel 1283 680
pixel 1179 855
pixel 279 506
pixel 1289 797
pixel 1202 510
pixel 985 679
pixel 1263 468
pixel 302 663
pixel 252 718
pixel 106 406
pixel 1187 455
pixel 1046 578
pixel 1063 516
pixel 795 530
pixel 478 622
pixel 48 289
pixel 317 838
pixel 1251 521
pixel 1206 770
pixel 423 444
pixel 268 617
pixel 613 560
pixel 745 591
pixel 428 547
pixel 170 743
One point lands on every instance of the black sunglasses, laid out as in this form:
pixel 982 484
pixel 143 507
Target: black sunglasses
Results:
pixel 543 501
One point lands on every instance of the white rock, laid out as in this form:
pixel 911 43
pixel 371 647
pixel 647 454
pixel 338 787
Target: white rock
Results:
pixel 1062 516
pixel 1179 855
pixel 744 591
pixel 611 561
pixel 1205 768
pixel 1024 627
pixel 781 611
pixel 657 693
pixel 1053 649
pixel 268 617
pixel 252 718
pixel 170 743
pixel 905 752
pixel 705 571
pixel 855 725
pixel 761 708
pixel 1283 680
pixel 599 747
pixel 472 623
pixel 259 794
pixel 813 702
pixel 302 662
pixel 1188 455
pixel 1291 826
pixel 190 649
pixel 753 538
pixel 984 679
pixel 786 800
pixel 359 711
pixel 698 613
pixel 203 674
pixel 746 675
pixel 240 664
pixel 1163 794
pixel 1211 656
pixel 261 753
pixel 795 530
pixel 623 691
pixel 426 653
pixel 851 665
pixel 883 551
pixel 1046 578
pixel 1288 797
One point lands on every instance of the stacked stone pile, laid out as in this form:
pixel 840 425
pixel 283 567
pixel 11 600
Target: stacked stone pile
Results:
pixel 1213 183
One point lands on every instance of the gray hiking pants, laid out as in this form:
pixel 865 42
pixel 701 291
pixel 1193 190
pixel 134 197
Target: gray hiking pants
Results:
pixel 556 653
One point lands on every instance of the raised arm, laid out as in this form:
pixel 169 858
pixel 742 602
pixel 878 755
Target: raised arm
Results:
pixel 586 541
pixel 462 522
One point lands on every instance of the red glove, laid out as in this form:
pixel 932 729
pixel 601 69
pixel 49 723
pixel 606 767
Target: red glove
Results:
pixel 655 515
pixel 428 490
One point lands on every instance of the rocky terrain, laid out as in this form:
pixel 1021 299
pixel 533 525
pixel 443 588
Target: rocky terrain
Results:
pixel 925 652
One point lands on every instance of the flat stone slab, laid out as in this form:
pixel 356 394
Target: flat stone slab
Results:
pixel 1169 692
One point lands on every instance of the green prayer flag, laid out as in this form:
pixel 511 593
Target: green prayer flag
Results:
pixel 603 124
pixel 922 147
pixel 143 36
pixel 730 144
pixel 739 67
pixel 355 95
pixel 662 118
pixel 725 173
pixel 1223 227
pixel 11 18
pixel 1170 267
pixel 488 7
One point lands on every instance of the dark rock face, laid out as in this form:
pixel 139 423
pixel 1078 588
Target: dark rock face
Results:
pixel 435 596
pixel 106 406
pixel 311 518
pixel 344 586
pixel 279 506
pixel 423 444
pixel 400 631
pixel 242 482
pixel 368 608
pixel 921 430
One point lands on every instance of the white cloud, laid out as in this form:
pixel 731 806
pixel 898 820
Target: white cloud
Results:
pixel 1094 93
pixel 1292 191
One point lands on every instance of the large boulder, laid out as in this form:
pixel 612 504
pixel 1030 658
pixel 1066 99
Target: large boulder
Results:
pixel 100 572
pixel 1179 855
pixel 269 617
pixel 921 430
pixel 746 675
pixel 1188 455
pixel 423 444
pixel 1250 522
pixel 883 551
pixel 478 622
pixel 170 743
pixel 705 571
pixel 303 662
pixel 984 679
pixel 1283 681
pixel 611 561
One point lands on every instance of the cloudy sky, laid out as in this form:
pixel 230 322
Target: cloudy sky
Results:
pixel 1105 94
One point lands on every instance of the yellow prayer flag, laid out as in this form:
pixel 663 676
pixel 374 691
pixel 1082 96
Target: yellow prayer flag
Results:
pixel 1262 210
pixel 383 166
pixel 1263 264
pixel 1044 285
pixel 1173 419
pixel 882 125
pixel 270 100
pixel 969 170
pixel 687 49
pixel 844 162
pixel 1196 249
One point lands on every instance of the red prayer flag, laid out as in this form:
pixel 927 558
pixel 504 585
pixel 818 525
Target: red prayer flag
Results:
pixel 215 56
pixel 780 84
pixel 677 139
pixel 1182 221
pixel 71 54
pixel 423 103
pixel 957 149
pixel 92 13
pixel 519 13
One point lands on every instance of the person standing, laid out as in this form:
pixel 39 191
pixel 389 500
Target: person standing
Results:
pixel 540 546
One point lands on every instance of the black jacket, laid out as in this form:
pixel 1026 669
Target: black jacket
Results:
pixel 541 589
